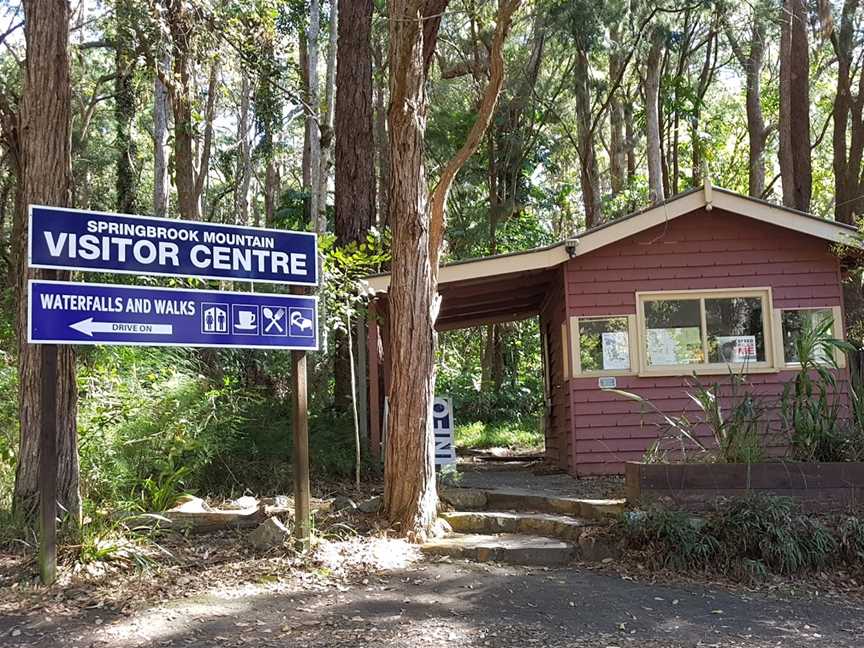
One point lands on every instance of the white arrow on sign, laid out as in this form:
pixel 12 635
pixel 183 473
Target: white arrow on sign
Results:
pixel 89 327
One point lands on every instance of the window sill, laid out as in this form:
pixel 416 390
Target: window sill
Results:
pixel 706 370
pixel 601 374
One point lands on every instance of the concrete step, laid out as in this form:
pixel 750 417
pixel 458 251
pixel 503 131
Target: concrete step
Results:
pixel 505 548
pixel 541 524
pixel 475 499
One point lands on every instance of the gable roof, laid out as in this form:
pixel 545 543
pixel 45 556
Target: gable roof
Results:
pixel 706 197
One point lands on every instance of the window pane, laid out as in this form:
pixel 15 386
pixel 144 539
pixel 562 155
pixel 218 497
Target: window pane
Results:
pixel 604 344
pixel 795 321
pixel 673 332
pixel 735 330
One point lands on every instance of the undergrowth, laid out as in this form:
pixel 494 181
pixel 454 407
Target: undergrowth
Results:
pixel 746 538
pixel 522 434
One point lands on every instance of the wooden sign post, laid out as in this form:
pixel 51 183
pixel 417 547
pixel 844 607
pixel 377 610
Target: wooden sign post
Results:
pixel 48 465
pixel 196 318
pixel 302 507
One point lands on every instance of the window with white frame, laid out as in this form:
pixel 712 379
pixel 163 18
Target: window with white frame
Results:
pixel 705 331
pixel 602 345
pixel 795 321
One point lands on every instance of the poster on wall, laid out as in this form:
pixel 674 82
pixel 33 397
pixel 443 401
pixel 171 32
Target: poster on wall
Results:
pixel 737 348
pixel 674 346
pixel 616 350
pixel 661 347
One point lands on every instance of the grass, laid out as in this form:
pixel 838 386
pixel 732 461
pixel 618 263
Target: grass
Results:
pixel 524 434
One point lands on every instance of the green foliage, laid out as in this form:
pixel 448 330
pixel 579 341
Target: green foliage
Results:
pixel 671 537
pixel 747 537
pixel 8 429
pixel 734 420
pixel 770 531
pixel 460 374
pixel 810 407
pixel 517 435
pixel 152 428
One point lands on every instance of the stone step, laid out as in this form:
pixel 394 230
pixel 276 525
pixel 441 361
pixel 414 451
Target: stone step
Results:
pixel 541 524
pixel 475 499
pixel 506 548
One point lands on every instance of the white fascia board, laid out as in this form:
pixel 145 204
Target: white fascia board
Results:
pixel 488 267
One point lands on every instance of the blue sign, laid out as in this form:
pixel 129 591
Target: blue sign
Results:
pixel 100 242
pixel 78 313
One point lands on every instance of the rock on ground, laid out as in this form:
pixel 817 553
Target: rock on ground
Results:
pixel 270 534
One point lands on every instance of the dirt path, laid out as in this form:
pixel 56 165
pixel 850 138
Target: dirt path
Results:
pixel 459 605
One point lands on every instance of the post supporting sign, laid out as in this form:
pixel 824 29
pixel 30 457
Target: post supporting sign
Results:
pixel 91 313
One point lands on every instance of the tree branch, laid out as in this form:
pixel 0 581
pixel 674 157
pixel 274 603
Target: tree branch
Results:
pixel 438 200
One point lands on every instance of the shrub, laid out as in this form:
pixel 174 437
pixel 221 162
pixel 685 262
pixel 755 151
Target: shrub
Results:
pixel 671 538
pixel 747 537
pixel 737 428
pixel 771 532
pixel 8 429
pixel 809 407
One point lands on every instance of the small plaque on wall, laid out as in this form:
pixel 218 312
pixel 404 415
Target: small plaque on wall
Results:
pixel 607 382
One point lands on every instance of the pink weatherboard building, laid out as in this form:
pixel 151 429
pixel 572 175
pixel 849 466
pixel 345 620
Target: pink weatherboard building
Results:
pixel 706 282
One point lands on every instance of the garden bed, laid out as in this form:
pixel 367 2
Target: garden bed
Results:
pixel 816 486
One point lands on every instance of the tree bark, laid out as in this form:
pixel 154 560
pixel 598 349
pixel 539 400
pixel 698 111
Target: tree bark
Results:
pixel 588 171
pixel 417 219
pixel 354 201
pixel 752 62
pixel 203 165
pixel 327 134
pixel 160 143
pixel 795 170
pixel 244 156
pixel 180 91
pixel 617 150
pixel 381 143
pixel 652 116
pixel 410 499
pixel 45 133
pixel 846 112
pixel 124 110
pixel 630 140
pixel 313 131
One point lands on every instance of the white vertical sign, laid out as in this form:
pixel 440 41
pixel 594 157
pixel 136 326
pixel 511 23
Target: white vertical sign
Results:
pixel 442 425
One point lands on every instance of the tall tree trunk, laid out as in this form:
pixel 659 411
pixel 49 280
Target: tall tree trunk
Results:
pixel 203 162
pixel 124 109
pixel 629 139
pixel 382 152
pixel 795 171
pixel 652 115
pixel 751 62
pixel 313 131
pixel 418 222
pixel 617 150
pixel 355 152
pixel 706 76
pixel 244 156
pixel 410 499
pixel 327 134
pixel 160 143
pixel 846 111
pixel 588 172
pixel 45 134
pixel 271 191
pixel 180 90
